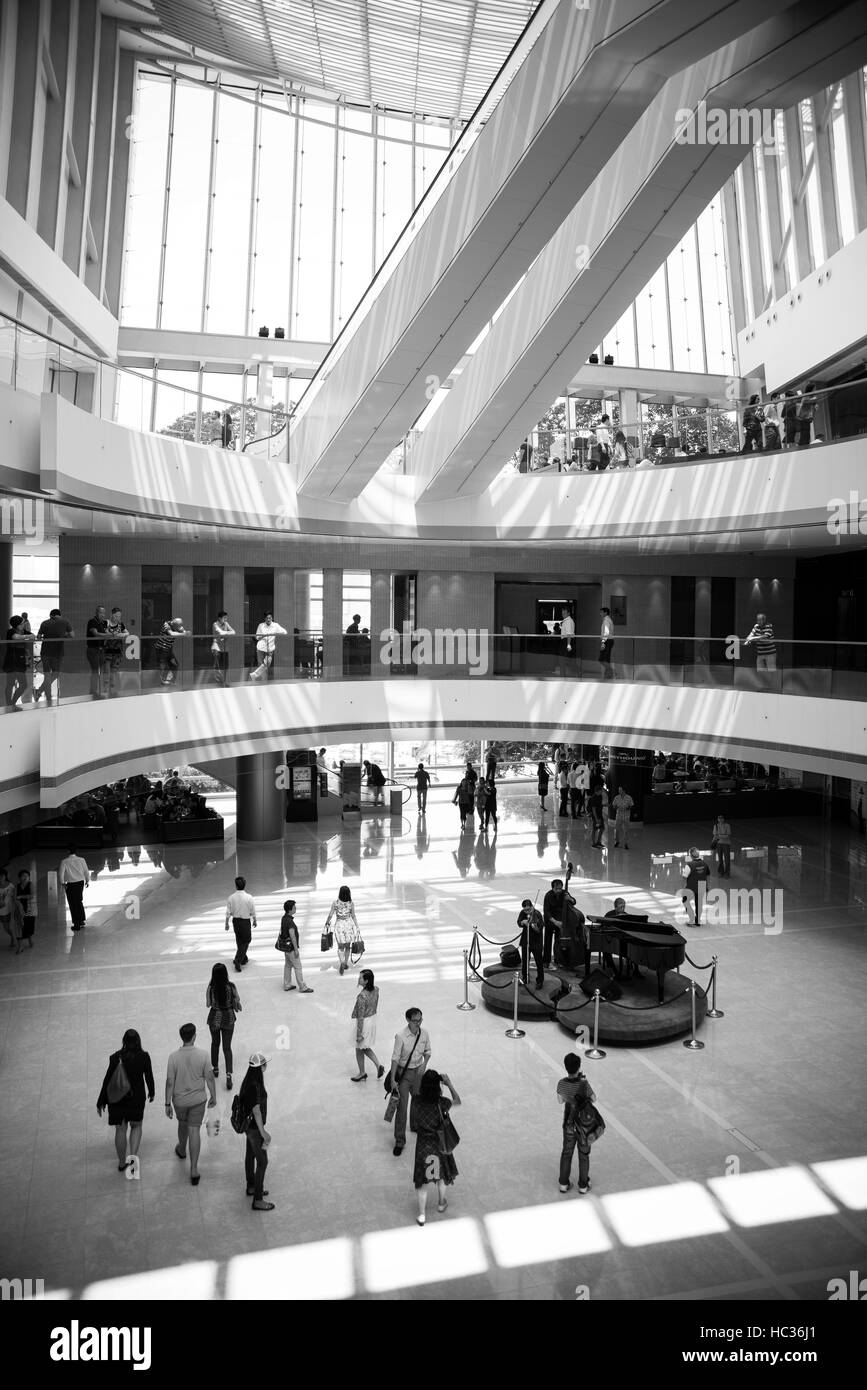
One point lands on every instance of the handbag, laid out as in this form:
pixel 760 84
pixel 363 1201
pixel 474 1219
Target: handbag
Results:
pixel 327 941
pixel 390 1087
pixel 280 944
pixel 447 1136
pixel 714 842
pixel 118 1086
pixel 356 948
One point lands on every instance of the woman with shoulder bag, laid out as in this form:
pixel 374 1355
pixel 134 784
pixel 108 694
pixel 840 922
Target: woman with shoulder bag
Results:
pixel 128 1108
pixel 436 1137
pixel 223 1003
pixel 364 1025
pixel 254 1103
pixel 345 925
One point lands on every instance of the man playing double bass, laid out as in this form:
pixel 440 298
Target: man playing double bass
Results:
pixel 559 906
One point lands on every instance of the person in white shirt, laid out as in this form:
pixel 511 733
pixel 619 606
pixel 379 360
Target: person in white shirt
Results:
pixel 409 1058
pixel 221 629
pixel 241 910
pixel 266 642
pixel 567 638
pixel 606 642
pixel 583 785
pixel 603 439
pixel 622 805
pixel 75 875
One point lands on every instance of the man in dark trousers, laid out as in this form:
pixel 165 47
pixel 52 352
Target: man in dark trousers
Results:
pixel 51 634
pixel 573 1091
pixel 74 877
pixel 532 929
pixel 241 911
pixel 552 913
pixel 697 874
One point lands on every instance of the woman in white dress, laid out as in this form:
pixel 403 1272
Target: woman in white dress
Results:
pixel 345 925
pixel 364 1025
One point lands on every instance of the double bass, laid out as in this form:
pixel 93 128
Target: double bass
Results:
pixel 572 942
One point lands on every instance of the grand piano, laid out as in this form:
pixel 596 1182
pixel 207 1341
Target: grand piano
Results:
pixel 656 945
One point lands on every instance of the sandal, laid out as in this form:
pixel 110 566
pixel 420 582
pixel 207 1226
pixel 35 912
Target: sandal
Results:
pixel 441 1206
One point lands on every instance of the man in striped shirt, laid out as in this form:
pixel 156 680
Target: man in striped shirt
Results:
pixel 766 648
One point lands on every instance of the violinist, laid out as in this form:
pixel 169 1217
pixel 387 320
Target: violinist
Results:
pixel 531 928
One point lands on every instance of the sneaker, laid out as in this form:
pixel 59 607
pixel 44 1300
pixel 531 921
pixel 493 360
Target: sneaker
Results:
pixel 286 988
pixel 216 1071
pixel 583 1190
pixel 228 1081
pixel 263 1206
pixel 306 989
pixel 567 1188
pixel 397 1150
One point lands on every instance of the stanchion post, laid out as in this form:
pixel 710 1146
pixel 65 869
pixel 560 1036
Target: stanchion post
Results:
pixel 515 1031
pixel 713 1011
pixel 474 949
pixel 693 1043
pixel 595 1051
pixel 466 1004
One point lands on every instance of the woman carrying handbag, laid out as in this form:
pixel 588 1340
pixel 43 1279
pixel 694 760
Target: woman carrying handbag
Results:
pixel 364 1025
pixel 436 1138
pixel 345 926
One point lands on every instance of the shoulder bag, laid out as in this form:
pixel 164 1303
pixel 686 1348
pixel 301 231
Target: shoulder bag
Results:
pixel 391 1087
pixel 447 1136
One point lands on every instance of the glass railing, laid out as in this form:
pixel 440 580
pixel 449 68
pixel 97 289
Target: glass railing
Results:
pixel 39 673
pixel 794 421
pixel 451 163
pixel 35 362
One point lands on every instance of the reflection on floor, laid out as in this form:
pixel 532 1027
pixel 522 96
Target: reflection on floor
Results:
pixel 735 1172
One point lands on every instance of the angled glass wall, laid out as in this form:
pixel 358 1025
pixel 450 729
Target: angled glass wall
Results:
pixel 249 207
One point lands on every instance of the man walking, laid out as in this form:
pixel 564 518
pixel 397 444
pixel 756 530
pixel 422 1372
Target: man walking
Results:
pixel 766 647
pixel 422 782
pixel 409 1059
pixel 697 873
pixel 189 1077
pixel 623 805
pixel 532 929
pixel 291 949
pixel 573 1093
pixel 241 911
pixel 74 876
pixel 52 634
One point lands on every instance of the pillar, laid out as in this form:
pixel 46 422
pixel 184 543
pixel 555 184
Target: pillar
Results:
pixel 284 610
pixel 332 624
pixel 6 609
pixel 701 650
pixel 260 802
pixel 629 422
pixel 233 602
pixel 264 397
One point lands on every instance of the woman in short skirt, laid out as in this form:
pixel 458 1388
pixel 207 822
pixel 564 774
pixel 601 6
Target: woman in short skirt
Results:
pixel 425 1119
pixel 129 1110
pixel 364 1025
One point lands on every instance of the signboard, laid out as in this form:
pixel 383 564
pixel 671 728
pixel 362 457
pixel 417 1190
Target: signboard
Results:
pixel 302 783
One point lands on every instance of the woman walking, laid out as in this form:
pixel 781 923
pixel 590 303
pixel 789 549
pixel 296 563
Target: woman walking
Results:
pixel 426 1119
pixel 25 894
pixel 223 1004
pixel 254 1103
pixel 345 925
pixel 128 1109
pixel 722 843
pixel 563 786
pixel 463 799
pixel 544 778
pixel 364 1025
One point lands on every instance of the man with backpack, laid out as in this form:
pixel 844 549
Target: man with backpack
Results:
pixel 582 1124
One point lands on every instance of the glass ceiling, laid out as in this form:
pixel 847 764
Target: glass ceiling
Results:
pixel 432 57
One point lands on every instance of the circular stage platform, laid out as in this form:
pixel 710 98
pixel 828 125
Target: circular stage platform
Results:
pixel 630 1021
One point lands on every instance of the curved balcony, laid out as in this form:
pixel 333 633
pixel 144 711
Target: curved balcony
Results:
pixel 811 717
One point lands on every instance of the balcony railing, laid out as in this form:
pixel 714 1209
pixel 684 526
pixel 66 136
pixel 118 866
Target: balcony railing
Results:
pixel 76 668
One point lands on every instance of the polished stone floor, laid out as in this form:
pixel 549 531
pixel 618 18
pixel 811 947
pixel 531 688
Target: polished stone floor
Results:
pixel 738 1171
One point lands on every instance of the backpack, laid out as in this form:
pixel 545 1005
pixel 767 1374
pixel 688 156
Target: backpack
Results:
pixel 118 1086
pixel 240 1118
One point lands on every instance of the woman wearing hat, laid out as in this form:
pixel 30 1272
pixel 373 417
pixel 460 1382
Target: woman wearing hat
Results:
pixel 254 1102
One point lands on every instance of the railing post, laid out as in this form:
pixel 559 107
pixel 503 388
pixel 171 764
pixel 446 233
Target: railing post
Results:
pixel 693 1043
pixel 515 1031
pixel 466 1005
pixel 595 1051
pixel 713 1011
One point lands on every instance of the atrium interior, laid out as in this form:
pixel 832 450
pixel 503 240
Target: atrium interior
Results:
pixel 394 390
